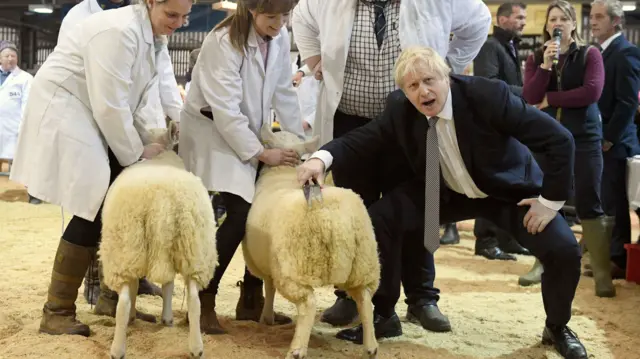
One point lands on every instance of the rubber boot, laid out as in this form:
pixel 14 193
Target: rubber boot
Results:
pixel 108 301
pixel 209 323
pixel 92 283
pixel 59 312
pixel 597 235
pixel 250 305
pixel 534 276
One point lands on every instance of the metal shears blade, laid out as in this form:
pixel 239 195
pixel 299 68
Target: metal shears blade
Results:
pixel 312 192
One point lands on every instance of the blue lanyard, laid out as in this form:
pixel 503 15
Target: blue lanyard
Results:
pixel 108 4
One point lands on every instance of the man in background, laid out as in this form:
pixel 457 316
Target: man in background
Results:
pixel 498 59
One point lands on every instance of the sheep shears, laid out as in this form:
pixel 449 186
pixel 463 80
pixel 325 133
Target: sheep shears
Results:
pixel 312 192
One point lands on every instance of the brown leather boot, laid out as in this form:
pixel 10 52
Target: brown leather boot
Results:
pixel 108 301
pixel 59 312
pixel 250 305
pixel 209 323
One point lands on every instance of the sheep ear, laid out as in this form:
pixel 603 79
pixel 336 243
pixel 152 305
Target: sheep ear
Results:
pixel 312 145
pixel 268 138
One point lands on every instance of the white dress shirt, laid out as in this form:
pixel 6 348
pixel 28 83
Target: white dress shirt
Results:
pixel 608 41
pixel 452 166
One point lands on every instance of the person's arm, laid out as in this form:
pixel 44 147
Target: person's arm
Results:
pixel 470 23
pixel 536 82
pixel 627 84
pixel 364 143
pixel 221 85
pixel 487 64
pixel 306 32
pixel 538 131
pixel 108 61
pixel 285 100
pixel 591 89
pixel 169 92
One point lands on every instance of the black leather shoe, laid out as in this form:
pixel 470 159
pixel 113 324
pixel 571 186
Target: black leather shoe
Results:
pixel 384 328
pixel 451 235
pixel 343 312
pixel 429 317
pixel 495 253
pixel 512 246
pixel 565 341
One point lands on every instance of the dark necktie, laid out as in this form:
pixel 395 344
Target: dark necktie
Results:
pixel 4 76
pixel 513 49
pixel 380 24
pixel 432 189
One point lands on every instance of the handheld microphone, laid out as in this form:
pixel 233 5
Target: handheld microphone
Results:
pixel 557 35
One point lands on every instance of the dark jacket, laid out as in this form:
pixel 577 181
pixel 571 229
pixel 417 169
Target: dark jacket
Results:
pixel 583 122
pixel 619 99
pixel 496 133
pixel 495 60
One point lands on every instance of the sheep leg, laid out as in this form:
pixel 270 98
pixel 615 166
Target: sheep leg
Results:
pixel 304 324
pixel 193 303
pixel 167 311
pixel 133 287
pixel 123 309
pixel 362 297
pixel 267 316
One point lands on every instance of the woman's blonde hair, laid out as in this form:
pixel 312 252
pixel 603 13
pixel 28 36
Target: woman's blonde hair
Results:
pixel 419 59
pixel 569 11
pixel 239 23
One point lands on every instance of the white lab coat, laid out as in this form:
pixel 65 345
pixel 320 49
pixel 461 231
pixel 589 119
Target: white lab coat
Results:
pixel 323 27
pixel 164 95
pixel 83 99
pixel 13 98
pixel 308 91
pixel 240 94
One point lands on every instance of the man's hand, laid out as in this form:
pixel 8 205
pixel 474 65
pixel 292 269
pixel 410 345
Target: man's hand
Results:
pixel 544 104
pixel 297 78
pixel 538 216
pixel 305 125
pixel 606 146
pixel 312 168
pixel 317 71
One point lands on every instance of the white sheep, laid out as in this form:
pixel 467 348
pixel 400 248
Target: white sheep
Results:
pixel 157 221
pixel 302 248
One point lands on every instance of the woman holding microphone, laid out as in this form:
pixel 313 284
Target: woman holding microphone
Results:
pixel 80 130
pixel 565 80
pixel 244 70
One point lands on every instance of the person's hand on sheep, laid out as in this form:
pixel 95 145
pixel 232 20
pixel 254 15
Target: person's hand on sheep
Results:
pixel 151 150
pixel 279 157
pixel 312 168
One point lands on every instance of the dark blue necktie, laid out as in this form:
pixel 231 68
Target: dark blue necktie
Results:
pixel 380 24
pixel 512 47
pixel 4 76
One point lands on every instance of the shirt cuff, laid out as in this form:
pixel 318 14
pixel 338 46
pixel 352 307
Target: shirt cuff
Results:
pixel 554 205
pixel 323 156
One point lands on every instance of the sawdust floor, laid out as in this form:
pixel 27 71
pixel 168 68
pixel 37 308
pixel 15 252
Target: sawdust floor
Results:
pixel 492 317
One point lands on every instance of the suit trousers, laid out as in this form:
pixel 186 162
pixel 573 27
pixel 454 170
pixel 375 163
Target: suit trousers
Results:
pixel 418 268
pixel 401 212
pixel 86 233
pixel 615 202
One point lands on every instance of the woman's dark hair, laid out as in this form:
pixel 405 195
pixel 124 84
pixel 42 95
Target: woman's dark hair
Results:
pixel 239 23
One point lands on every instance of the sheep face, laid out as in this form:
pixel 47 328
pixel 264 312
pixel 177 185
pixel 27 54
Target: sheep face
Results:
pixel 165 136
pixel 284 139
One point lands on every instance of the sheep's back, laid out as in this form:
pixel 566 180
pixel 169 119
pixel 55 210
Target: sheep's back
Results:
pixel 157 220
pixel 330 243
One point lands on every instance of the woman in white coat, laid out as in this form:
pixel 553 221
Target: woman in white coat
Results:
pixel 243 71
pixel 78 132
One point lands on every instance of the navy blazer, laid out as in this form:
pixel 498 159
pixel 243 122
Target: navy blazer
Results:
pixel 619 99
pixel 494 127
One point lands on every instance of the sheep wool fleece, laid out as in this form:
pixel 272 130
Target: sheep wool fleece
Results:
pixel 157 220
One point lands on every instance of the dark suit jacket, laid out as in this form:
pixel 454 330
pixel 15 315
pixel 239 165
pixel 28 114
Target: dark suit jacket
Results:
pixel 492 127
pixel 619 99
pixel 495 61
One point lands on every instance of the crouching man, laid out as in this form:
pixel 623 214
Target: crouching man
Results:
pixel 467 142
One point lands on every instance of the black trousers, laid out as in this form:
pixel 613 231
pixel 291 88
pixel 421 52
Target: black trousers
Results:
pixel 418 268
pixel 228 238
pixel 400 212
pixel 616 203
pixel 86 233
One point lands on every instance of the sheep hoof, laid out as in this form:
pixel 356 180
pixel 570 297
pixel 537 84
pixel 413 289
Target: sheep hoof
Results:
pixel 115 357
pixel 199 355
pixel 298 354
pixel 167 322
pixel 371 354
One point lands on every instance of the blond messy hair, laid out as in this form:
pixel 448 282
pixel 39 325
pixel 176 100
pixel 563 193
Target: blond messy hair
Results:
pixel 416 59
